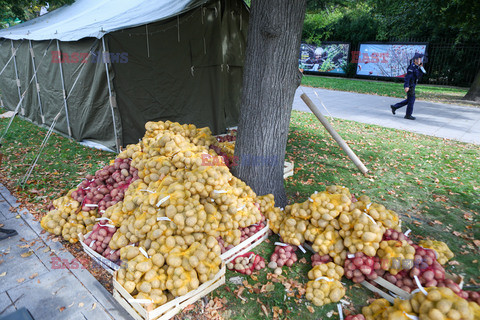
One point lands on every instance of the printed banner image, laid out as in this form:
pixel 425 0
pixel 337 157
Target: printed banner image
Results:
pixel 329 57
pixel 385 60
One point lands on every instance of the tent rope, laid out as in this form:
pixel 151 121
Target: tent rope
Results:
pixel 23 95
pixel 52 127
pixel 90 52
pixel 42 146
pixel 14 52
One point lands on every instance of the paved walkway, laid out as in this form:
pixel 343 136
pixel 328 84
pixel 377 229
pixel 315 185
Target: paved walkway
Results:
pixel 435 119
pixel 34 280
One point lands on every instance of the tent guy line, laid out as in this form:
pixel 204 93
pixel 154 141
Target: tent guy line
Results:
pixel 22 96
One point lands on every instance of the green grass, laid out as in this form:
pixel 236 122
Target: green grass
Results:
pixel 431 183
pixel 63 164
pixel 383 88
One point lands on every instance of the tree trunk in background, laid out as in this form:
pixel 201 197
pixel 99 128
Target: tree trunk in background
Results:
pixel 474 93
pixel 270 79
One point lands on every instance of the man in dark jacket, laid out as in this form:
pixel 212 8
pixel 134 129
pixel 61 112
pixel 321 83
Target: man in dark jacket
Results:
pixel 414 73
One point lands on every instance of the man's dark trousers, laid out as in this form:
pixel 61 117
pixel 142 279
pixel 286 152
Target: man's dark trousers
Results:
pixel 408 102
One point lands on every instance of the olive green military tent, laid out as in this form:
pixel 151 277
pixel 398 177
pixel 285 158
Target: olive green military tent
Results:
pixel 106 67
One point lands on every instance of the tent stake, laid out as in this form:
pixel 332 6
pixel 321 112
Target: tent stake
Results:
pixel 14 53
pixel 334 134
pixel 113 102
pixel 63 90
pixel 36 81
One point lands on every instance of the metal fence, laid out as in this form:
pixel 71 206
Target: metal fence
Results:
pixel 448 63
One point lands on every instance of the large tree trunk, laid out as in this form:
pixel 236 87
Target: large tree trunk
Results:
pixel 474 93
pixel 270 79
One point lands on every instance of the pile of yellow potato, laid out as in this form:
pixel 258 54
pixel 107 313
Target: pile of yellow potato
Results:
pixel 437 304
pixel 444 253
pixel 174 212
pixel 334 224
pixel 325 286
pixel 394 250
pixel 67 219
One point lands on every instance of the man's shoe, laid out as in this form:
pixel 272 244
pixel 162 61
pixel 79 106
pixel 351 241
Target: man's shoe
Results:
pixel 7 233
pixel 410 117
pixel 393 108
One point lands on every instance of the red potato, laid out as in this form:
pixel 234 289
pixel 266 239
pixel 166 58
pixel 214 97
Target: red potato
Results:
pixel 355 317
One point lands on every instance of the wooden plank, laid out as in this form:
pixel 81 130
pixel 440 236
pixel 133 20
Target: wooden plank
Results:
pixel 108 265
pixel 377 290
pixel 126 306
pixel 251 242
pixel 171 308
pixel 287 169
pixel 393 288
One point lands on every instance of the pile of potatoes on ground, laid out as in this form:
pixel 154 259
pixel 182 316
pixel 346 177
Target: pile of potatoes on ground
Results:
pixel 173 216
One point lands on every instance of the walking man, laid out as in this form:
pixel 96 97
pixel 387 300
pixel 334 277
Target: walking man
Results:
pixel 414 73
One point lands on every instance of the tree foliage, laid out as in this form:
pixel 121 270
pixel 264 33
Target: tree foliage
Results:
pixel 10 10
pixel 356 21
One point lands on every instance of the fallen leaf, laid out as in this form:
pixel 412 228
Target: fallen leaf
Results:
pixel 61 309
pixel 310 308
pixel 254 277
pixel 81 304
pixel 303 260
pixel 453 263
pixel 33 275
pixel 477 242
pixel 46 249
pixel 189 307
pixel 20 280
pixel 94 305
pixel 267 287
pixel 26 254
pixel 3 274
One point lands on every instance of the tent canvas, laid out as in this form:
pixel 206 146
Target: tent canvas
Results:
pixel 109 66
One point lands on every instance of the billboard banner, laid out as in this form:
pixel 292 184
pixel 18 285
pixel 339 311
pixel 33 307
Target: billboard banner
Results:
pixel 385 60
pixel 325 58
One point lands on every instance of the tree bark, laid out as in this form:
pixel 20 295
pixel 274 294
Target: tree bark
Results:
pixel 270 79
pixel 474 93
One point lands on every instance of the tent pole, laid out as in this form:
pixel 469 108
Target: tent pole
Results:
pixel 6 64
pixel 113 102
pixel 36 81
pixel 148 44
pixel 14 54
pixel 63 90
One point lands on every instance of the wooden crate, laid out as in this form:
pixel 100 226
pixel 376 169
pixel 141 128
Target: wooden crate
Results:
pixel 390 291
pixel 288 169
pixel 108 265
pixel 170 309
pixel 246 245
pixel 388 288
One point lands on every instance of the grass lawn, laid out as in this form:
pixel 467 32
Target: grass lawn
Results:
pixel 432 183
pixel 384 88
